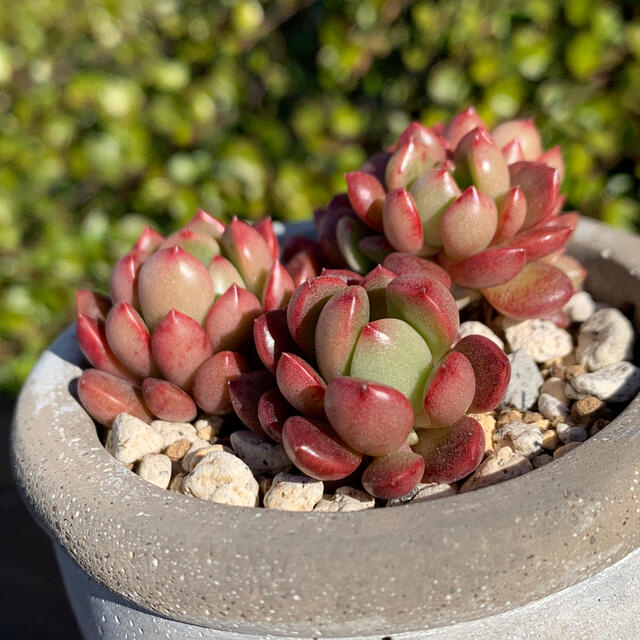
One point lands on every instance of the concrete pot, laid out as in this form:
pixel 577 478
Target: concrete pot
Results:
pixel 552 554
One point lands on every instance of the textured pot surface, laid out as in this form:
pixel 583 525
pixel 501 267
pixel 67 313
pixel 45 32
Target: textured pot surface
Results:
pixel 404 569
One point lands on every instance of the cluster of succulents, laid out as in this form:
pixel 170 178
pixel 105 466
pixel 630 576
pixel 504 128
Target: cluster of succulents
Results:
pixel 179 320
pixel 485 205
pixel 348 353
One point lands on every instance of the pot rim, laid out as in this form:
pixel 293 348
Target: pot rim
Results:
pixel 413 567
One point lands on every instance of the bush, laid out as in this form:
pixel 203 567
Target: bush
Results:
pixel 114 115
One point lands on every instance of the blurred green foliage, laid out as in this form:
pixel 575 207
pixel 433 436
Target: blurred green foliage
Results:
pixel 119 113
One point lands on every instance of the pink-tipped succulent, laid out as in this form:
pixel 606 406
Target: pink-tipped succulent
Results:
pixel 359 363
pixel 178 325
pixel 485 206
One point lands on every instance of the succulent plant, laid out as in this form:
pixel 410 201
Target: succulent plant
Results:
pixel 485 205
pixel 178 323
pixel 355 364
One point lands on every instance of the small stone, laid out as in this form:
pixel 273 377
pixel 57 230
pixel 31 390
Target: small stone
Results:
pixel 541 460
pixel 473 327
pixel 521 437
pixel 261 456
pixel 290 492
pixel 424 492
pixel 552 408
pixel 536 419
pixel 564 449
pixel 199 450
pixel 133 439
pixel 568 433
pixel 524 384
pixel 156 469
pixel 597 426
pixel 223 477
pixel 555 387
pixel 618 382
pixel 550 440
pixel 507 416
pixel 209 427
pixel 346 499
pixel 541 339
pixel 488 423
pixel 172 431
pixel 580 307
pixel 413 438
pixel 176 482
pixel 503 465
pixel 573 371
pixel 586 411
pixel 605 338
pixel 265 484
pixel 176 450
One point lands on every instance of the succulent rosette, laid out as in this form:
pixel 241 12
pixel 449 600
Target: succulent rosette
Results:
pixel 485 205
pixel 178 323
pixel 355 364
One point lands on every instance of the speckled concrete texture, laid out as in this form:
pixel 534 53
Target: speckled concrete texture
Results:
pixel 407 569
pixel 594 609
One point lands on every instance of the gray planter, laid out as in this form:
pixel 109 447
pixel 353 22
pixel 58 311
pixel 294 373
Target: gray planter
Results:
pixel 552 554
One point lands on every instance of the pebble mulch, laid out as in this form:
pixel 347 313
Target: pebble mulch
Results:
pixel 566 385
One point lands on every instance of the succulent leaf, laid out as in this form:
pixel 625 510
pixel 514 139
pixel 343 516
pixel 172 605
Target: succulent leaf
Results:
pixel 540 185
pixel 512 210
pixel 272 338
pixel 197 243
pixel 452 453
pixel 211 381
pixel 316 450
pixel 449 391
pixel 401 222
pixel 245 392
pixel 391 352
pixel 393 475
pixel 428 307
pixel 229 323
pixel 524 131
pixel 249 252
pixel 366 195
pixel 538 290
pixel 488 268
pixel 301 385
pixel 265 228
pixel 349 233
pixel 376 248
pixel 469 224
pixel 206 223
pixel 174 279
pixel 223 275
pixel 375 284
pixel 460 125
pixel 491 368
pixel 305 306
pixel 273 412
pixel 104 396
pixel 339 325
pixel 130 340
pixel 409 160
pixel 168 402
pixel 278 288
pixel 371 418
pixel 179 345
pixel 402 265
pixel 92 304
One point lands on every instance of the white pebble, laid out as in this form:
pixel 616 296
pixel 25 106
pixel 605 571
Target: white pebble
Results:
pixel 424 492
pixel 541 339
pixel 580 307
pixel 222 477
pixel 473 327
pixel 568 433
pixel 524 384
pixel 156 469
pixel 504 465
pixel 618 382
pixel 346 499
pixel 200 449
pixel 605 338
pixel 521 437
pixel 290 492
pixel 173 431
pixel 132 439
pixel 261 456
pixel 552 408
